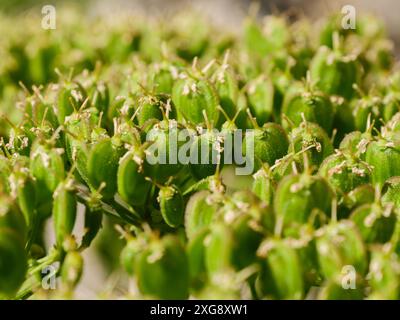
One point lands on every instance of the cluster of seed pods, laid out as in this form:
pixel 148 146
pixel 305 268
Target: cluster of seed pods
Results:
pixel 319 209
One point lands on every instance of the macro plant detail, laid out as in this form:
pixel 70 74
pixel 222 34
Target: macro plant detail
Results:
pixel 197 163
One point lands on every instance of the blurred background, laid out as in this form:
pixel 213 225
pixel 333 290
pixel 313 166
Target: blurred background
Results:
pixel 229 14
pixel 224 12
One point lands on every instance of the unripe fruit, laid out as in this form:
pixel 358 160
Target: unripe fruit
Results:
pixel 376 224
pixel 264 186
pixel 162 270
pixel 282 275
pixel 270 144
pixel 338 245
pixel 384 157
pixel 298 195
pixel 200 212
pixel 71 96
pixel 161 161
pixel 333 290
pixel 207 161
pixel 260 96
pixel 310 135
pixel 196 256
pixel 391 192
pixel 314 106
pixel 102 166
pixel 149 108
pixel 13 262
pixel 47 166
pixel 72 268
pixel 384 275
pixel 64 211
pixel 343 173
pixel 11 218
pixel 334 72
pixel 171 205
pixel 192 96
pixel 368 108
pixel 132 185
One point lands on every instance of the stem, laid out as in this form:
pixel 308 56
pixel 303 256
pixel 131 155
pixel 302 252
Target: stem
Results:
pixel 252 119
pixel 83 194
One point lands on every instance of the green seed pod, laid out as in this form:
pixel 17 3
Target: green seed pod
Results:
pixel 5 172
pixel 19 141
pixel 255 41
pixel 191 97
pixel 132 185
pixel 100 97
pixel 361 195
pixel 25 192
pixel 394 124
pixel 149 108
pixel 260 96
pixel 331 26
pixel 47 166
pixel 368 108
pixel 64 211
pixel 233 244
pixel 72 268
pixel 343 120
pixel 247 238
pixel 196 256
pixel 42 61
pixel 82 128
pixel 344 173
pixel 162 161
pixel 306 250
pixel 339 245
pixel 333 290
pixel 102 166
pixel 311 135
pixel 227 88
pixel 282 274
pixel 162 270
pixel 298 195
pixel 261 44
pixel 171 205
pixel 384 157
pixel 270 144
pixel 384 275
pixel 205 153
pixel 376 224
pixel 39 110
pixel 264 185
pixel 70 97
pixel 130 254
pixel 245 203
pixel 369 27
pixel 391 192
pixel 392 107
pixel 11 217
pixel 200 212
pixel 219 249
pixel 314 106
pixel 162 78
pixel 334 72
pixel 13 263
pixel 284 85
pixel 352 144
pixel 187 46
pixel 121 106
